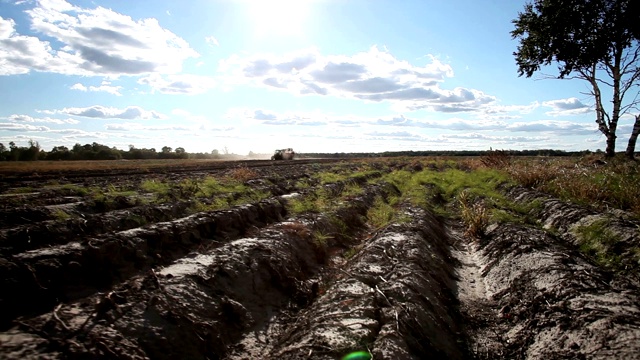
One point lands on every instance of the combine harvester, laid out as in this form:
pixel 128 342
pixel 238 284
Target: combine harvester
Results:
pixel 284 154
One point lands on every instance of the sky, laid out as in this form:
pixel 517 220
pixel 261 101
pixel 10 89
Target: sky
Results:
pixel 257 75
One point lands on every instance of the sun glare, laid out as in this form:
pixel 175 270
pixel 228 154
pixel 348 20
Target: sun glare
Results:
pixel 278 17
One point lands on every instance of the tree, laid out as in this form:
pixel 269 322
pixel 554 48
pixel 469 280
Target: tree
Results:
pixel 4 153
pixel 631 148
pixel 593 40
pixel 181 153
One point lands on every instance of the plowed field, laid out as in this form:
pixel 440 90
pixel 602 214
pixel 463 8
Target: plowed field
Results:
pixel 308 260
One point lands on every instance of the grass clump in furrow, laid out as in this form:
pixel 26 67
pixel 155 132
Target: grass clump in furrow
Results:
pixel 317 201
pixel 385 212
pixel 598 241
pixel 474 215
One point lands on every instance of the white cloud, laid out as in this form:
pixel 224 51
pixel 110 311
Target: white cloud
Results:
pixel 493 138
pixel 29 119
pixel 22 127
pixel 520 109
pixel 80 134
pixel 464 126
pixel 20 54
pixel 22 139
pixel 90 42
pixel 554 126
pixel 103 112
pixel 566 107
pixel 178 84
pixel 141 127
pixel 211 41
pixel 267 117
pixel 372 76
pixel 136 126
pixel 394 134
pixel 104 87
pixel 79 86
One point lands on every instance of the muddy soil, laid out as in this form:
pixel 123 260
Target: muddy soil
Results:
pixel 566 220
pixel 258 282
pixel 527 295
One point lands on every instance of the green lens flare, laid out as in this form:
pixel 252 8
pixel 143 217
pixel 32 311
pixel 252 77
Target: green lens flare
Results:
pixel 358 355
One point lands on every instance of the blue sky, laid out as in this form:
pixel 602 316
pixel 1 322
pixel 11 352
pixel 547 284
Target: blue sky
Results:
pixel 255 75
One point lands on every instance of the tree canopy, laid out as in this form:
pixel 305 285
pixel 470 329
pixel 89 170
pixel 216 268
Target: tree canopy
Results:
pixel 593 40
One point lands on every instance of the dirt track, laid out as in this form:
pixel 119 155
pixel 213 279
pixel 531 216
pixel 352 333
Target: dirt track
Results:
pixel 254 281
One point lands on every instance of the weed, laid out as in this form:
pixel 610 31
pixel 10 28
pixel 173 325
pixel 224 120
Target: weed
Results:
pixel 496 159
pixel 532 174
pixel 303 184
pixel 598 241
pixel 474 215
pixel 321 244
pixel 243 174
pixel 342 230
pixel 516 212
pixel 352 190
pixel 321 239
pixel 211 186
pixel 60 215
pixel 155 187
pixel 135 220
pixel 74 190
pixel 21 190
pixel 297 228
pixel 381 213
pixel 329 177
pixel 317 201
pixel 433 189
pixel 616 184
pixel 502 216
pixel 252 196
pixel 214 204
pixel 300 205
pixel 101 202
pixel 352 251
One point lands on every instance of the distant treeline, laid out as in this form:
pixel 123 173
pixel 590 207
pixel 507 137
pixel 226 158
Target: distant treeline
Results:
pixel 97 151
pixel 545 152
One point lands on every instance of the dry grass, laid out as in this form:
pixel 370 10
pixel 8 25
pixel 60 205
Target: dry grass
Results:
pixel 496 159
pixel 297 228
pixel 582 180
pixel 243 174
pixel 474 215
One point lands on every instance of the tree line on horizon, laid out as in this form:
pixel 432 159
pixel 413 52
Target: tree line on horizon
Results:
pixel 95 151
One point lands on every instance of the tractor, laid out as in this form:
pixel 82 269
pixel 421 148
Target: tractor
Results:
pixel 283 154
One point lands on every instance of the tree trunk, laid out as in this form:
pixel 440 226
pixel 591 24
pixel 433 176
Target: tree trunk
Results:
pixel 610 152
pixel 617 102
pixel 631 148
pixel 605 125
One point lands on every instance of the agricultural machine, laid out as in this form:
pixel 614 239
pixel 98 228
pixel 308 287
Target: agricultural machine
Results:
pixel 283 154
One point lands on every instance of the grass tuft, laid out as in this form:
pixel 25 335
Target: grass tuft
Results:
pixel 598 241
pixel 381 213
pixel 474 215
pixel 243 174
